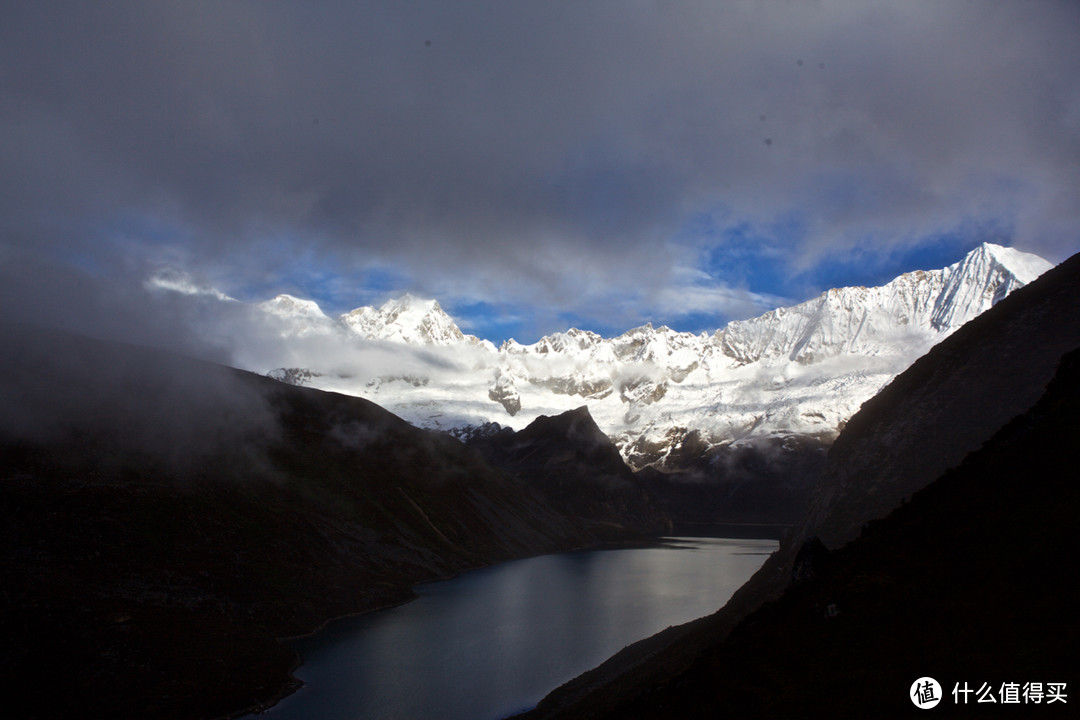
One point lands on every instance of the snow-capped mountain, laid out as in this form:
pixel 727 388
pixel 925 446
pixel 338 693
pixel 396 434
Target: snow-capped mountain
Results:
pixel 794 371
pixel 915 307
pixel 408 319
pixel 298 317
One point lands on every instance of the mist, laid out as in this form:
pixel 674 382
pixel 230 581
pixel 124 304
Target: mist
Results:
pixel 118 405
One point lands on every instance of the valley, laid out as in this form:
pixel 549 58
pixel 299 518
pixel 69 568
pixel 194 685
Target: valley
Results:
pixel 164 516
pixel 606 360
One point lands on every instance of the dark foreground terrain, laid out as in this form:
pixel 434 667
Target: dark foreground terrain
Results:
pixel 163 520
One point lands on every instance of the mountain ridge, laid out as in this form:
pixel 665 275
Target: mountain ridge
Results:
pixel 800 371
pixel 413 320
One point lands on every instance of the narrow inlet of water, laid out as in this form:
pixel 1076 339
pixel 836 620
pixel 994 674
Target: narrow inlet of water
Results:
pixel 493 642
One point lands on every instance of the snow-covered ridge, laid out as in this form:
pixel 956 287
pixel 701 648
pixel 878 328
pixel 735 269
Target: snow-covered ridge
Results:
pixel 298 317
pixel 800 370
pixel 408 319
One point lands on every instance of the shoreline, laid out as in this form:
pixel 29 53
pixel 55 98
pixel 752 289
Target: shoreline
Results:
pixel 293 683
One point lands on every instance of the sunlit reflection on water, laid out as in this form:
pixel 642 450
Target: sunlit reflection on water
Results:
pixel 495 641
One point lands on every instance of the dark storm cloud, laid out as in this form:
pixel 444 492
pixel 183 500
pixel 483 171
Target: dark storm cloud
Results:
pixel 544 150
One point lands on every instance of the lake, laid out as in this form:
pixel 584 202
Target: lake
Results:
pixel 495 641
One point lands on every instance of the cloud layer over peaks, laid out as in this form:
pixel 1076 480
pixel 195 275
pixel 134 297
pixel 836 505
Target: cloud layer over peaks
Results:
pixel 532 152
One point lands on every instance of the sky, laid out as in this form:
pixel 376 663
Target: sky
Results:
pixel 532 165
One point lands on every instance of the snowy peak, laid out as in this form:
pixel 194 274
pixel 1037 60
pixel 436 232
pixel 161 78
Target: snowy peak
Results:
pixel 924 304
pixel 302 317
pixel 985 276
pixel 407 319
pixel 289 306
pixel 571 342
pixel 645 344
pixel 1025 267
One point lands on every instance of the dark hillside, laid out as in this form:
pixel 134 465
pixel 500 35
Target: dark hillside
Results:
pixel 576 467
pixel 969 582
pixel 162 520
pixel 763 486
pixel 946 404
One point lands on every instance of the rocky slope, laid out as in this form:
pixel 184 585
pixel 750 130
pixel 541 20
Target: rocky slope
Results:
pixel 162 520
pixel 960 581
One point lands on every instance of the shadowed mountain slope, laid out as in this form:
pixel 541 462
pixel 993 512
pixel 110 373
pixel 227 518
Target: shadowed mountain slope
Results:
pixel 968 583
pixel 163 519
pixel 577 468
pixel 946 405
pixel 760 486
pixel 928 419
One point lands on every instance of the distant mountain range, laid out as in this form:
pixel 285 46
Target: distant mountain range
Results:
pixel 795 372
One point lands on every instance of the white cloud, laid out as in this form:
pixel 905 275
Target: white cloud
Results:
pixel 179 281
pixel 695 292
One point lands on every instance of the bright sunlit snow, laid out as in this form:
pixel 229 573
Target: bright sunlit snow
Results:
pixel 800 370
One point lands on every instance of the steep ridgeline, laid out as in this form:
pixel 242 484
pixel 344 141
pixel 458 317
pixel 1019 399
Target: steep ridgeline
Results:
pixel 935 545
pixel 800 371
pixel 946 405
pixel 163 520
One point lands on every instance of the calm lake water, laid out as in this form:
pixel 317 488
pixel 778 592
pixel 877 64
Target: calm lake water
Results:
pixel 493 642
